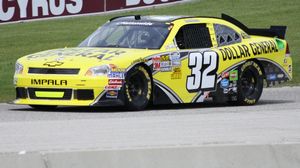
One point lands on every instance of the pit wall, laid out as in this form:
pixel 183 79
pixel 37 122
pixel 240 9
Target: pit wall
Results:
pixel 236 156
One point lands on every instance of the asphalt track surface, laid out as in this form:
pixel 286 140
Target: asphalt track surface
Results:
pixel 274 120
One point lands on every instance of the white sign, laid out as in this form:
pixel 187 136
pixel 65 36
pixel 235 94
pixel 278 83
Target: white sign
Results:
pixel 137 2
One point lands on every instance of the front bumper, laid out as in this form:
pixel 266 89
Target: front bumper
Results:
pixel 73 91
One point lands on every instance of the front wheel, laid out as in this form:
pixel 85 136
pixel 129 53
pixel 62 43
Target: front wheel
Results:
pixel 138 88
pixel 250 84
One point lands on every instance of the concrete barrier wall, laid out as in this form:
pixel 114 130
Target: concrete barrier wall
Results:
pixel 252 156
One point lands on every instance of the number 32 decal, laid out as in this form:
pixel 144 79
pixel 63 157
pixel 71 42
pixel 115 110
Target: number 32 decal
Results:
pixel 204 68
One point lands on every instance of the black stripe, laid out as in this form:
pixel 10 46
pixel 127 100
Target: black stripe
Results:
pixel 170 91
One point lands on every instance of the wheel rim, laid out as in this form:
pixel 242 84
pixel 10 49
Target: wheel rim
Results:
pixel 137 88
pixel 248 83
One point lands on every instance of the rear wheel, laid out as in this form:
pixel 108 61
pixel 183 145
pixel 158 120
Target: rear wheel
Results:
pixel 43 107
pixel 250 84
pixel 138 88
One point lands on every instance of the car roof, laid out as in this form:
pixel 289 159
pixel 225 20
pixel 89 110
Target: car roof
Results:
pixel 169 19
pixel 150 18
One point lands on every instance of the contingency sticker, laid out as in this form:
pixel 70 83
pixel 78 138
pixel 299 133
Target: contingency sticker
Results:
pixel 233 75
pixel 165 63
pixel 175 59
pixel 156 63
pixel 112 94
pixel 176 73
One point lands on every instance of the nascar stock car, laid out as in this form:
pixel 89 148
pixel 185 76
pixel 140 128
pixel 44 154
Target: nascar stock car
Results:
pixel 140 60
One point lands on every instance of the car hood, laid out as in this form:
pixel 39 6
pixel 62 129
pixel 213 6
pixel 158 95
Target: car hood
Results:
pixel 85 57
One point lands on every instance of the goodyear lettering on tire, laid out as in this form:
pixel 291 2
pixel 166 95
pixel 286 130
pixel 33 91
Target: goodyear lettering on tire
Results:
pixel 148 80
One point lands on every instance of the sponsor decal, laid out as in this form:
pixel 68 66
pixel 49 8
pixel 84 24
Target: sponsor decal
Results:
pixel 116 69
pixel 233 75
pixel 115 81
pixel 280 76
pixel 53 63
pixel 225 83
pixel 225 91
pixel 175 59
pixel 280 44
pixel 176 73
pixel 165 63
pixel 113 94
pixel 170 46
pixel 105 54
pixel 166 66
pixel 136 23
pixel 191 21
pixel 116 75
pixel 271 77
pixel 113 87
pixel 232 88
pixel 243 51
pixel 235 52
pixel 225 75
pixel 264 47
pixel 49 82
pixel 164 58
pixel 156 63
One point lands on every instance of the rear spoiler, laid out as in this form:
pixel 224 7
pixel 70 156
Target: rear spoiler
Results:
pixel 273 31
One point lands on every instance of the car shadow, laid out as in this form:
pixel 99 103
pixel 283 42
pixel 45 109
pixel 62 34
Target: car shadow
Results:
pixel 120 109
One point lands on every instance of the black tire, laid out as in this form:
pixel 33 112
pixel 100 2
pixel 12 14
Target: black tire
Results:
pixel 138 88
pixel 250 84
pixel 43 107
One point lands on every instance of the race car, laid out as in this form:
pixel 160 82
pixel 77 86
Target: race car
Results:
pixel 135 61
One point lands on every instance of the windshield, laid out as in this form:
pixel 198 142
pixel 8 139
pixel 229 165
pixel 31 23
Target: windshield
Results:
pixel 128 35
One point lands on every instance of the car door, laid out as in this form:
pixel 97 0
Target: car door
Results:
pixel 197 74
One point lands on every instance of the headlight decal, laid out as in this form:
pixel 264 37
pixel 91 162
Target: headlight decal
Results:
pixel 18 68
pixel 98 71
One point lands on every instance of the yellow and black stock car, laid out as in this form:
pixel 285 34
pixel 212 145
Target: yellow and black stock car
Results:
pixel 138 60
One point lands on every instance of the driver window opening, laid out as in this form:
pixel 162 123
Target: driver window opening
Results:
pixel 193 36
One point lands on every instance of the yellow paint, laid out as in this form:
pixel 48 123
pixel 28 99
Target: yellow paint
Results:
pixel 127 58
pixel 45 94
